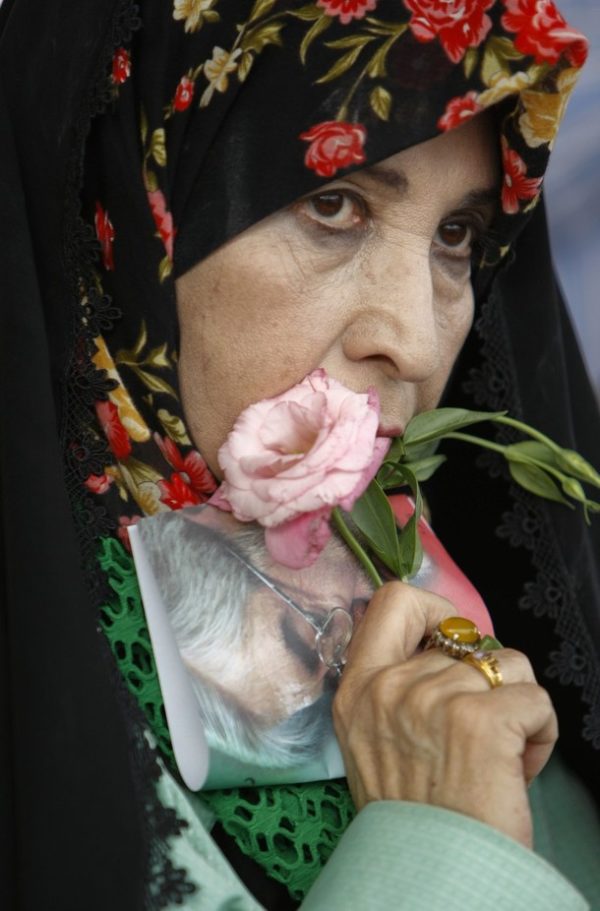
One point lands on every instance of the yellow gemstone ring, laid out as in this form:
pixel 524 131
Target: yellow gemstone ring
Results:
pixel 455 636
pixel 487 664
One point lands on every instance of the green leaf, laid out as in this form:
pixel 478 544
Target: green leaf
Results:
pixel 390 476
pixel 573 489
pixel 373 516
pixel 143 126
pixel 258 38
pixel 245 65
pixel 158 148
pixel 165 267
pixel 154 383
pixel 377 65
pixel 174 427
pixel 381 102
pixel 536 481
pixel 414 452
pixel 308 12
pixel 430 425
pixel 150 181
pixel 350 41
pixel 504 48
pixel 531 449
pixel 409 543
pixel 342 65
pixel 158 357
pixel 470 61
pixel 141 340
pixel 261 8
pixel 489 643
pixel 411 549
pixel 424 468
pixel 316 29
pixel 570 461
pixel 379 27
pixel 396 450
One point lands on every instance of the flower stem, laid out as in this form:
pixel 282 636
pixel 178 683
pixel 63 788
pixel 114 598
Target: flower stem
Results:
pixel 478 441
pixel 357 550
pixel 530 431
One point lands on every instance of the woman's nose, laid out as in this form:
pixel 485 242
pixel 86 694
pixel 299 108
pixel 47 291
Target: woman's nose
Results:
pixel 394 317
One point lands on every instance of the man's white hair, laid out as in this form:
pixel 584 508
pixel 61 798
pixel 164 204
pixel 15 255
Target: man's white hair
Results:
pixel 206 592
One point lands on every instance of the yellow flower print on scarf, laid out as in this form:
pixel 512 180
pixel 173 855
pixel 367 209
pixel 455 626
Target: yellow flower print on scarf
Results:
pixel 544 111
pixel 195 13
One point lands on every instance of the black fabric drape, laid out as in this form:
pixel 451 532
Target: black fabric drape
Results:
pixel 70 819
pixel 75 817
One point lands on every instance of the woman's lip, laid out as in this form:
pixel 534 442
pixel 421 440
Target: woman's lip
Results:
pixel 390 431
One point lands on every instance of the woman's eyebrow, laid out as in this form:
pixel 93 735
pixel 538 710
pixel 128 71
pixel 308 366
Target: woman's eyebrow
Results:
pixel 386 177
pixel 486 196
pixel 391 178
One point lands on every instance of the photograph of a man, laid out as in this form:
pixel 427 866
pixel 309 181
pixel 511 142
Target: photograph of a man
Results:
pixel 263 644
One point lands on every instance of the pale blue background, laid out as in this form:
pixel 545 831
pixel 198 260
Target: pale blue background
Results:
pixel 573 190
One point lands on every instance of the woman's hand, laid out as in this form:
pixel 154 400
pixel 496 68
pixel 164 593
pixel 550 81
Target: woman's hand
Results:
pixel 427 728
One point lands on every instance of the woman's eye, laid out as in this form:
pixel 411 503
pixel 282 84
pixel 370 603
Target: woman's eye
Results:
pixel 456 236
pixel 335 210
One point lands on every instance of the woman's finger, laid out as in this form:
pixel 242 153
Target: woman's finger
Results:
pixel 399 616
pixel 514 667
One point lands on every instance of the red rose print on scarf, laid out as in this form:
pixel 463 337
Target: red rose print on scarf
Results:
pixel 162 219
pixel 347 10
pixel 334 144
pixel 183 94
pixel 121 66
pixel 515 185
pixel 176 493
pixel 118 439
pixel 543 33
pixel 459 110
pixel 106 235
pixel 98 483
pixel 459 24
pixel 192 467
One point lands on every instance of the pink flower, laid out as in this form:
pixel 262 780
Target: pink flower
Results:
pixel 543 33
pixel 459 110
pixel 176 493
pixel 516 185
pixel 106 235
pixel 117 436
pixel 98 483
pixel 121 66
pixel 162 219
pixel 183 94
pixel 347 10
pixel 291 459
pixel 334 144
pixel 192 467
pixel 459 24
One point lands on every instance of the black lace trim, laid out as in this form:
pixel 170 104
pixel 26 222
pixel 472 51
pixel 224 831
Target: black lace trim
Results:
pixel 553 591
pixel 86 453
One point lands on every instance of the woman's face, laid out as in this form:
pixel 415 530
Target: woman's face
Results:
pixel 369 277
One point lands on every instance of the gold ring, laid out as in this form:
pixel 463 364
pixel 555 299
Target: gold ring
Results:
pixel 487 664
pixel 455 636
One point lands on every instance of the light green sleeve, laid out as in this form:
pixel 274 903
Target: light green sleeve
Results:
pixel 398 855
pixel 394 855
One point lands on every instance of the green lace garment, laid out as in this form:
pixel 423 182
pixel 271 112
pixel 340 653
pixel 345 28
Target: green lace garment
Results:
pixel 290 830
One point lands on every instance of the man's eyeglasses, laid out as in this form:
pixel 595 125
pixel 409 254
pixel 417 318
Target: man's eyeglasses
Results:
pixel 333 629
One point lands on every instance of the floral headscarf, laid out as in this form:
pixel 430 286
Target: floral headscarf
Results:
pixel 223 113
